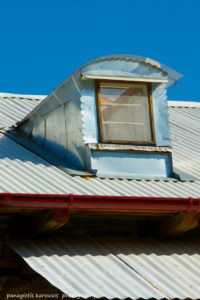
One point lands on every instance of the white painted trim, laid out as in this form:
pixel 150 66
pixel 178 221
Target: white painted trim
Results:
pixel 183 104
pixel 123 78
pixel 39 97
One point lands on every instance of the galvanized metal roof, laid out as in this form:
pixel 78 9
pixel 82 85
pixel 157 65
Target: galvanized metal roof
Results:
pixel 22 171
pixel 20 168
pixel 123 267
pixel 14 108
pixel 185 135
pixel 185 104
pixel 117 267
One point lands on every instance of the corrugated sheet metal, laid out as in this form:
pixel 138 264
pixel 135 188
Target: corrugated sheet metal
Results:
pixel 14 108
pixel 185 135
pixel 117 266
pixel 123 267
pixel 173 266
pixel 20 168
pixel 186 104
pixel 21 171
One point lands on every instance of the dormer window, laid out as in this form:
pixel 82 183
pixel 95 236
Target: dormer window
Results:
pixel 123 134
pixel 125 112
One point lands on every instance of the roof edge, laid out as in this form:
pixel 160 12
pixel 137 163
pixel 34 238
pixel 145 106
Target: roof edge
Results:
pixel 186 104
pixel 39 97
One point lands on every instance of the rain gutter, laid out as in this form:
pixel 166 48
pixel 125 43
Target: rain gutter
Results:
pixel 73 202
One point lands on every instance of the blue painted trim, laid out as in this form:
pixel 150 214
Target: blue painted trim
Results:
pixel 132 164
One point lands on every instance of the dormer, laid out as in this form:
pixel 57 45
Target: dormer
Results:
pixel 109 118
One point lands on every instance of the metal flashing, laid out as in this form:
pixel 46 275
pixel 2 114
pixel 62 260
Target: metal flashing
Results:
pixel 173 75
pixel 45 154
pixel 183 176
pixel 124 78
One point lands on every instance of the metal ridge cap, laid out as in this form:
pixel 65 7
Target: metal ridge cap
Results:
pixel 187 104
pixel 6 95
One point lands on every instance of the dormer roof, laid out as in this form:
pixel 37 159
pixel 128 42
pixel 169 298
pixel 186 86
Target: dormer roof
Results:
pixel 173 76
pixel 96 67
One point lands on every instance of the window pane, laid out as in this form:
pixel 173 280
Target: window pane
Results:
pixel 125 113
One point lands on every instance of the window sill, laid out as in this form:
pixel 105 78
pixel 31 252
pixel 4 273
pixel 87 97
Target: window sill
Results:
pixel 131 148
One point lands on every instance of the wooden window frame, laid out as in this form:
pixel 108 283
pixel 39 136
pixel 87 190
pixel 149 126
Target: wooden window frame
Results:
pixel 99 112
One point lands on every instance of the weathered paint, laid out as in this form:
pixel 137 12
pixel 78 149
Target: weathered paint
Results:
pixel 66 121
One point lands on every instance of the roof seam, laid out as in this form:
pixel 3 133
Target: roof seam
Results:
pixel 129 266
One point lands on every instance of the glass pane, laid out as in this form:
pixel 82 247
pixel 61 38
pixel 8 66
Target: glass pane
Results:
pixel 125 113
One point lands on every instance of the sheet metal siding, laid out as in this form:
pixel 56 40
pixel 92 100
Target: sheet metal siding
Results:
pixel 21 171
pixel 55 135
pixel 75 146
pixel 14 109
pixel 57 125
pixel 37 130
pixel 117 266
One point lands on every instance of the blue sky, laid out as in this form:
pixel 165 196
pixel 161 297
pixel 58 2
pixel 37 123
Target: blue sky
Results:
pixel 43 42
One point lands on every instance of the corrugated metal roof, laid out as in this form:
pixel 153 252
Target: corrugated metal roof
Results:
pixel 20 170
pixel 14 108
pixel 117 266
pixel 183 104
pixel 185 135
pixel 123 267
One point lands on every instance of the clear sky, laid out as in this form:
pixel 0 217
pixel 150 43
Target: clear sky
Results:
pixel 43 42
